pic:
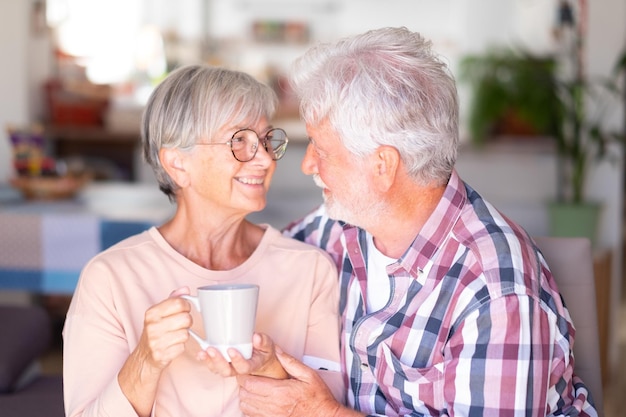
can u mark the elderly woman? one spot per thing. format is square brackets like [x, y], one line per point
[207, 134]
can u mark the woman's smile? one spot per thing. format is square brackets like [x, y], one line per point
[251, 180]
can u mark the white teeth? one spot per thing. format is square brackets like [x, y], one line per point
[252, 181]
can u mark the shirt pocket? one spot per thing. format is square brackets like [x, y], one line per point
[399, 381]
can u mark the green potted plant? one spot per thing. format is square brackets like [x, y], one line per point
[514, 94]
[516, 84]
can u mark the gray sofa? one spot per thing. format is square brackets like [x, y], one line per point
[25, 335]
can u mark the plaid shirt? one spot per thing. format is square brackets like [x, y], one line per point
[474, 325]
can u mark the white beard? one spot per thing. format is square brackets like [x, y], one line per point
[361, 209]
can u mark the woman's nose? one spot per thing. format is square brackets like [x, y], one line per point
[262, 154]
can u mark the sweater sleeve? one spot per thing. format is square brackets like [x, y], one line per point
[95, 348]
[322, 341]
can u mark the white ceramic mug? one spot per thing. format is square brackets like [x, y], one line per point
[228, 315]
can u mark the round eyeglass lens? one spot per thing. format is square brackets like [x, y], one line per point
[276, 143]
[244, 144]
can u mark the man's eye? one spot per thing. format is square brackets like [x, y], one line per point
[317, 150]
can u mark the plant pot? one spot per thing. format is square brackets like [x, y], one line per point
[574, 220]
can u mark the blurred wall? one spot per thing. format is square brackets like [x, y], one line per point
[14, 106]
[456, 27]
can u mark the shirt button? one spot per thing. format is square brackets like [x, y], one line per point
[364, 366]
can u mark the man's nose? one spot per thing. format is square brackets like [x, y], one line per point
[309, 165]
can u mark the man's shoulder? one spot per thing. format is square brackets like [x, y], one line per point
[501, 247]
[315, 227]
[318, 229]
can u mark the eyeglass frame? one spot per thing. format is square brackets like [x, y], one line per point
[255, 146]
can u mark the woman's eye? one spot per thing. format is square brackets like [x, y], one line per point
[237, 140]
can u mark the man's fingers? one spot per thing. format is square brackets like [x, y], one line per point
[294, 367]
[259, 386]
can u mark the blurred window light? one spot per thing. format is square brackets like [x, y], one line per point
[100, 32]
[56, 12]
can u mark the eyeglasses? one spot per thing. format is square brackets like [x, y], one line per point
[245, 142]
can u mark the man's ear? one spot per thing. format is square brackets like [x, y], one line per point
[173, 162]
[387, 162]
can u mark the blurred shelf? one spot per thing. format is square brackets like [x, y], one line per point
[90, 134]
[94, 144]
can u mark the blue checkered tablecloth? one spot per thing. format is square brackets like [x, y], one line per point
[44, 245]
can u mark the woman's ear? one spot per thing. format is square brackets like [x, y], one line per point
[387, 162]
[173, 162]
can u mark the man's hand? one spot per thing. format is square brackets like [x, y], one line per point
[304, 394]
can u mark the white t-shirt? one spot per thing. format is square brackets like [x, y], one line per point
[378, 285]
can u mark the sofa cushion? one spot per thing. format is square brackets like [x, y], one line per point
[42, 397]
[26, 334]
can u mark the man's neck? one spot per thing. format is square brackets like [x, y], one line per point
[407, 213]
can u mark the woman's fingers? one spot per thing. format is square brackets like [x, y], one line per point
[165, 329]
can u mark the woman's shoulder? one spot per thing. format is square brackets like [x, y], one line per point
[286, 243]
[132, 242]
[138, 246]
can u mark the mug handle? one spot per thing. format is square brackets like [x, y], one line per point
[194, 300]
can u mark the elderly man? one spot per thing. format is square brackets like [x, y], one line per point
[448, 308]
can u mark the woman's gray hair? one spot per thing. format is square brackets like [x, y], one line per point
[195, 102]
[384, 87]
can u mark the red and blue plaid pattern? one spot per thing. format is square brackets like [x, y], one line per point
[474, 326]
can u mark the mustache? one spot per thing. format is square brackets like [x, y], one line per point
[318, 181]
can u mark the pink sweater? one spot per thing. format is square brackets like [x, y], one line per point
[298, 304]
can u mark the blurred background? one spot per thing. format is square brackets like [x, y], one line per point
[75, 75]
